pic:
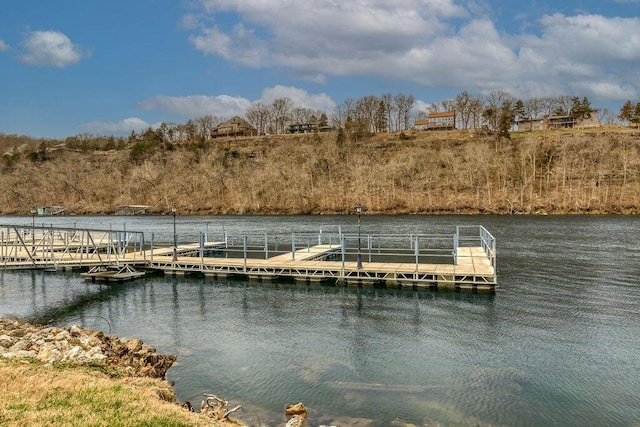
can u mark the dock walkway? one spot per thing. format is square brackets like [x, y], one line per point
[469, 263]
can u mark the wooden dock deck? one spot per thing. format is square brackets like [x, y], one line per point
[472, 268]
[474, 272]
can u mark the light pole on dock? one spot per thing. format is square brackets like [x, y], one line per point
[33, 229]
[359, 256]
[175, 236]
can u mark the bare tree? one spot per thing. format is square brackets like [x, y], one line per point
[365, 111]
[466, 109]
[387, 100]
[448, 105]
[258, 115]
[281, 114]
[532, 108]
[435, 107]
[606, 117]
[204, 126]
[564, 103]
[339, 116]
[548, 105]
[404, 105]
[300, 115]
[495, 101]
[477, 105]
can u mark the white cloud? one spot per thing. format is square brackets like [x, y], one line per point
[122, 127]
[4, 46]
[321, 29]
[49, 48]
[443, 43]
[421, 106]
[300, 98]
[197, 105]
[193, 106]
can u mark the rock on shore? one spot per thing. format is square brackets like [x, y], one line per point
[81, 346]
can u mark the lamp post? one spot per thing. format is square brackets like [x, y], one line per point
[175, 236]
[359, 257]
[33, 229]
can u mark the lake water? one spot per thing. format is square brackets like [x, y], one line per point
[557, 344]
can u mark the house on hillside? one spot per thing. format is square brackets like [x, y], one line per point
[567, 122]
[421, 124]
[237, 126]
[309, 128]
[558, 122]
[529, 125]
[445, 120]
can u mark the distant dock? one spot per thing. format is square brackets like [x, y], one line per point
[462, 260]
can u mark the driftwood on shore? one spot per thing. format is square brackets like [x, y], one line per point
[216, 408]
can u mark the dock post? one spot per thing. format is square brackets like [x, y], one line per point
[320, 237]
[342, 250]
[455, 245]
[224, 234]
[266, 246]
[152, 241]
[244, 247]
[202, 237]
[417, 251]
[293, 246]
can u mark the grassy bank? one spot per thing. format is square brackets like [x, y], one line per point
[555, 172]
[32, 394]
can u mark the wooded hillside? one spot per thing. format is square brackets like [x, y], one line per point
[562, 171]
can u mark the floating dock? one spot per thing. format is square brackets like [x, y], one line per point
[112, 273]
[462, 260]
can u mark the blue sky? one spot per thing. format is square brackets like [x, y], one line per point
[109, 67]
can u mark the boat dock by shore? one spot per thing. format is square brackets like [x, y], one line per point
[462, 260]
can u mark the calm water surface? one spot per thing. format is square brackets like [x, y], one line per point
[558, 344]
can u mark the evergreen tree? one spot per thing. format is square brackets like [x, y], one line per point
[576, 108]
[506, 120]
[586, 108]
[520, 112]
[626, 112]
[324, 121]
[381, 117]
[635, 118]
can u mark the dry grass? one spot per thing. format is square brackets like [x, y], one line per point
[35, 395]
[564, 171]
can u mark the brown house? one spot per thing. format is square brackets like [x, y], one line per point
[445, 120]
[558, 122]
[237, 126]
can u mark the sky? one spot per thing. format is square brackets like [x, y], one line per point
[109, 67]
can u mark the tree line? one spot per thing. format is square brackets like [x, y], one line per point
[497, 111]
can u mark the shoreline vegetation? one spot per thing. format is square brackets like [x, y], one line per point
[75, 376]
[566, 171]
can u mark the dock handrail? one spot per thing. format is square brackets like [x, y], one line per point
[477, 235]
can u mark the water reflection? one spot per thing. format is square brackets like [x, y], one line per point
[556, 345]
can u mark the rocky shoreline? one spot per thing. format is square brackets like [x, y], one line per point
[121, 357]
[75, 345]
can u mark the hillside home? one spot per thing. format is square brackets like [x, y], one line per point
[308, 128]
[529, 125]
[237, 126]
[421, 124]
[558, 122]
[445, 120]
